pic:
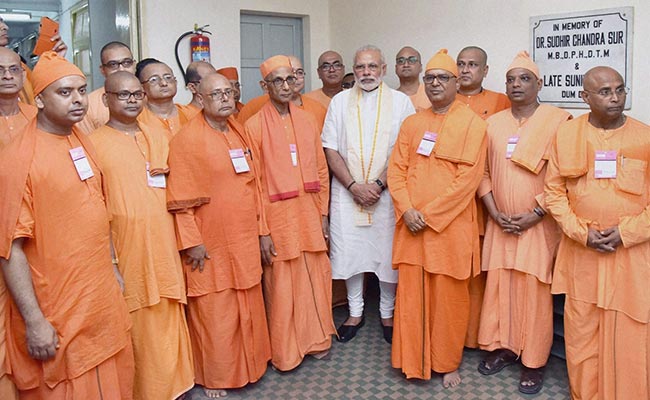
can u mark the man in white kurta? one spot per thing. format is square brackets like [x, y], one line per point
[359, 133]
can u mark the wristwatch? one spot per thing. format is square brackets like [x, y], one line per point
[380, 184]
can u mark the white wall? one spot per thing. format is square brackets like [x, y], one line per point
[500, 27]
[163, 21]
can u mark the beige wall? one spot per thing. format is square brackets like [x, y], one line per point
[163, 21]
[501, 28]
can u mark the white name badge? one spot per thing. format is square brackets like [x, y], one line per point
[157, 181]
[512, 144]
[294, 154]
[81, 163]
[605, 164]
[239, 162]
[427, 143]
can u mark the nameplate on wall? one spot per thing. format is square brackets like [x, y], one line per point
[566, 46]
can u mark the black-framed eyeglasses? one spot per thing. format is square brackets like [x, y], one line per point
[279, 82]
[219, 94]
[125, 94]
[336, 66]
[113, 65]
[13, 70]
[442, 78]
[157, 80]
[300, 73]
[403, 60]
[607, 92]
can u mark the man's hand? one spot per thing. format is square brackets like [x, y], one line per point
[59, 47]
[414, 220]
[267, 249]
[522, 222]
[365, 194]
[42, 340]
[594, 240]
[326, 228]
[608, 240]
[196, 256]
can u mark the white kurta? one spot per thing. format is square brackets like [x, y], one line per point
[356, 249]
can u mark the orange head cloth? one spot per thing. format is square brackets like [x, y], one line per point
[229, 72]
[274, 63]
[523, 60]
[50, 68]
[442, 60]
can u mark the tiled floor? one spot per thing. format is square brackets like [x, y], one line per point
[360, 369]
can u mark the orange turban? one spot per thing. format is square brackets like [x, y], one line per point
[523, 60]
[50, 68]
[229, 72]
[273, 63]
[442, 60]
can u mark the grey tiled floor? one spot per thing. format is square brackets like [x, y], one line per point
[360, 369]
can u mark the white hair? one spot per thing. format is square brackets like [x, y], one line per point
[369, 47]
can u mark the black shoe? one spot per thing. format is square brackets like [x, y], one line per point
[388, 333]
[347, 332]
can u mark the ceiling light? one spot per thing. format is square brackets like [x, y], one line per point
[16, 17]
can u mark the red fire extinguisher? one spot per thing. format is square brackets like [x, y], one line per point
[199, 46]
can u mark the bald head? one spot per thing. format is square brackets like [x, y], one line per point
[197, 70]
[329, 55]
[472, 69]
[597, 75]
[481, 55]
[212, 80]
[118, 79]
[124, 97]
[605, 93]
[11, 80]
[408, 64]
[410, 50]
[216, 94]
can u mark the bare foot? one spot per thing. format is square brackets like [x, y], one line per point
[451, 379]
[321, 354]
[353, 321]
[215, 393]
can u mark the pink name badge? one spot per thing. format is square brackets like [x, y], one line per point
[239, 161]
[294, 154]
[512, 144]
[81, 163]
[605, 164]
[427, 143]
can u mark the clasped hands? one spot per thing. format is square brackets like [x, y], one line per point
[605, 241]
[414, 220]
[365, 194]
[518, 223]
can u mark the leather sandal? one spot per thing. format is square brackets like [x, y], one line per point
[534, 375]
[496, 361]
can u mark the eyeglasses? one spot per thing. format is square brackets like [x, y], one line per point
[347, 85]
[157, 80]
[300, 73]
[336, 66]
[362, 67]
[607, 93]
[14, 70]
[219, 94]
[113, 65]
[442, 78]
[125, 94]
[403, 60]
[279, 82]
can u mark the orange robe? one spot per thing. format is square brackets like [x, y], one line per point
[420, 100]
[432, 305]
[310, 105]
[13, 125]
[320, 97]
[145, 243]
[607, 298]
[170, 126]
[298, 285]
[10, 128]
[97, 114]
[485, 104]
[517, 311]
[220, 209]
[26, 94]
[188, 110]
[66, 226]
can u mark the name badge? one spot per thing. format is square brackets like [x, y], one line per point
[605, 164]
[294, 154]
[239, 162]
[81, 163]
[157, 181]
[427, 143]
[512, 144]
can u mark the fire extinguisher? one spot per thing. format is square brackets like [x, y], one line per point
[199, 46]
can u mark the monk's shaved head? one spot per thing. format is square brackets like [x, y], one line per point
[597, 75]
[11, 83]
[216, 94]
[114, 82]
[329, 54]
[9, 56]
[479, 51]
[211, 81]
[408, 49]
